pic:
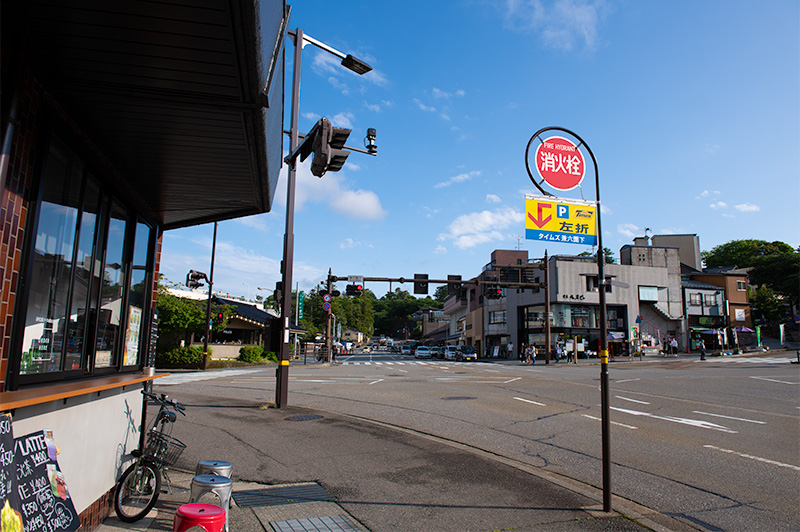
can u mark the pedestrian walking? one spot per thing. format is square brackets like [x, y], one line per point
[510, 350]
[528, 353]
[674, 345]
[702, 346]
[534, 352]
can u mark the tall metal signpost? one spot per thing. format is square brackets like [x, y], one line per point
[560, 164]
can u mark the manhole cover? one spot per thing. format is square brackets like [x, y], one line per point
[303, 418]
[458, 398]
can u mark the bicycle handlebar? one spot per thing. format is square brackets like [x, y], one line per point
[165, 401]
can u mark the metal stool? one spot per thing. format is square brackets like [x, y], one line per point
[209, 517]
[214, 467]
[222, 487]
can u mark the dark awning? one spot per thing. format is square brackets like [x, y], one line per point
[173, 95]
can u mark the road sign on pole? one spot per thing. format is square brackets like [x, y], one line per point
[560, 163]
[560, 220]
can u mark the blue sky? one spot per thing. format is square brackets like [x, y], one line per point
[691, 108]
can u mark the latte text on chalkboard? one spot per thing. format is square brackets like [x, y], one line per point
[44, 500]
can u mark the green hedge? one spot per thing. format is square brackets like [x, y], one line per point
[251, 353]
[181, 357]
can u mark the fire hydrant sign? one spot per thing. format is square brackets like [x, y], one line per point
[560, 220]
[560, 163]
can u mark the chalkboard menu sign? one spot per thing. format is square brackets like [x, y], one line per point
[36, 497]
[151, 352]
[11, 518]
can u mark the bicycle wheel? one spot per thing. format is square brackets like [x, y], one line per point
[137, 491]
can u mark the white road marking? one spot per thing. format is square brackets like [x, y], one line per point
[757, 458]
[613, 422]
[693, 422]
[529, 401]
[375, 382]
[772, 380]
[632, 400]
[729, 417]
[180, 378]
[626, 380]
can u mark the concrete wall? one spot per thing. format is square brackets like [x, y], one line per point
[95, 436]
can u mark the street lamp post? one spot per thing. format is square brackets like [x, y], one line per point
[359, 67]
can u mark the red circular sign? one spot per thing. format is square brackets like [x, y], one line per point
[560, 163]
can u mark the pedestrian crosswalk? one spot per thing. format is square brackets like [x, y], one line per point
[194, 376]
[409, 363]
[757, 360]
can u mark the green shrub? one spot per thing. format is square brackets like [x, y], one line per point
[251, 353]
[181, 357]
[272, 357]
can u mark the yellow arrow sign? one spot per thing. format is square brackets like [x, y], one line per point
[560, 220]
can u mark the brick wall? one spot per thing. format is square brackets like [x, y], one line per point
[13, 215]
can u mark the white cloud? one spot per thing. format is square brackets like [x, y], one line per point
[493, 198]
[475, 228]
[257, 222]
[438, 93]
[343, 120]
[349, 243]
[440, 250]
[629, 230]
[707, 193]
[332, 190]
[747, 207]
[719, 205]
[561, 24]
[424, 107]
[460, 178]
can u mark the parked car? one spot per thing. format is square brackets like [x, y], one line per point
[452, 352]
[422, 351]
[468, 353]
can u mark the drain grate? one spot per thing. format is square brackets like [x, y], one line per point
[331, 523]
[280, 495]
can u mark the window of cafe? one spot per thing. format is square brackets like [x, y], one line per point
[88, 277]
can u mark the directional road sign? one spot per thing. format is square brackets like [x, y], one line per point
[560, 220]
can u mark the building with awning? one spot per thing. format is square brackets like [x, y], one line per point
[120, 120]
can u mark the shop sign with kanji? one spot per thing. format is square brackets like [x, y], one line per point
[560, 220]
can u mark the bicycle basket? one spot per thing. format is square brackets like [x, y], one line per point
[163, 450]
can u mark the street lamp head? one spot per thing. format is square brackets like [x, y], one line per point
[356, 65]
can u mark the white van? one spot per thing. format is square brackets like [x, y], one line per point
[452, 352]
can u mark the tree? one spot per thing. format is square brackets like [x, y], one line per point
[742, 253]
[780, 272]
[180, 317]
[607, 254]
[765, 301]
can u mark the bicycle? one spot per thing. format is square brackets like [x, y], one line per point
[140, 485]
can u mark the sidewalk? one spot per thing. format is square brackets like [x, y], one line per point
[336, 473]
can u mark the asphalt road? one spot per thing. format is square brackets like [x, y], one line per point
[716, 444]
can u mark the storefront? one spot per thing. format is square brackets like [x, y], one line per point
[576, 327]
[104, 147]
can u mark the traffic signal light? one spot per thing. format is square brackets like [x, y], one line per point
[193, 279]
[355, 290]
[492, 292]
[420, 283]
[326, 145]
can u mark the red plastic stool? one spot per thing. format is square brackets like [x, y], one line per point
[209, 517]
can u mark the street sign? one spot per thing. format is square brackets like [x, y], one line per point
[560, 163]
[356, 279]
[326, 307]
[326, 298]
[301, 305]
[560, 220]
